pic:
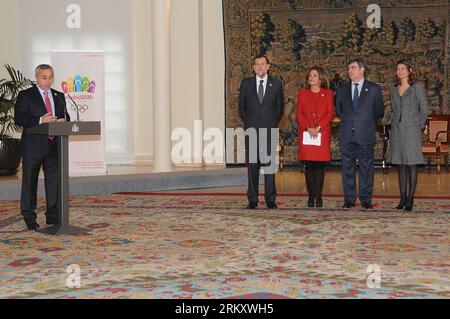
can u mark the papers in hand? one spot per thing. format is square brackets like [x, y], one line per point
[309, 140]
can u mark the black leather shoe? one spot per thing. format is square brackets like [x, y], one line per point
[33, 226]
[252, 205]
[367, 206]
[271, 205]
[319, 202]
[51, 218]
[348, 205]
[310, 202]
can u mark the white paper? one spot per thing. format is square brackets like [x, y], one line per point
[309, 140]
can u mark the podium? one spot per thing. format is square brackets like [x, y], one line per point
[62, 131]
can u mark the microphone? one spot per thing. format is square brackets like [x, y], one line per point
[64, 104]
[76, 107]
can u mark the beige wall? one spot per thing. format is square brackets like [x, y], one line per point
[142, 60]
[9, 36]
[197, 69]
[185, 63]
[213, 60]
[10, 39]
[197, 57]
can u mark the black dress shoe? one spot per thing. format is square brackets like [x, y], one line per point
[33, 226]
[319, 202]
[348, 205]
[252, 205]
[271, 205]
[51, 219]
[51, 222]
[310, 202]
[367, 206]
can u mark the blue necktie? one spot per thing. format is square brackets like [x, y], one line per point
[355, 96]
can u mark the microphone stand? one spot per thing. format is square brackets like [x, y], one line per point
[76, 107]
[65, 106]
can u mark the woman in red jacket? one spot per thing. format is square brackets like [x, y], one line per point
[315, 112]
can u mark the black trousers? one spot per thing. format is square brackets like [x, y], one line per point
[30, 174]
[314, 177]
[253, 169]
[270, 192]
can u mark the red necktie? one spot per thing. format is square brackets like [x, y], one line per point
[48, 107]
[48, 104]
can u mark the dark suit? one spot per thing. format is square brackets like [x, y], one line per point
[357, 137]
[260, 115]
[38, 150]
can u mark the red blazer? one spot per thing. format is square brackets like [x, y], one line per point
[312, 105]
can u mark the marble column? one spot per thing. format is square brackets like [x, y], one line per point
[162, 127]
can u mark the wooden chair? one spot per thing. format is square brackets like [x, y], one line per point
[280, 150]
[437, 144]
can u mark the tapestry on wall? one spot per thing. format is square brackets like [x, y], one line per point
[297, 34]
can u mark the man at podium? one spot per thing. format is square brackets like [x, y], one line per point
[36, 105]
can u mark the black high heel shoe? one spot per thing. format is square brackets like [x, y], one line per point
[409, 204]
[402, 203]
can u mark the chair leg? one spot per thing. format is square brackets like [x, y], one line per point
[446, 162]
[429, 164]
[438, 164]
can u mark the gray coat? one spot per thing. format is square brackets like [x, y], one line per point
[408, 118]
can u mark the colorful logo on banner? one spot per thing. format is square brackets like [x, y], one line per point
[78, 84]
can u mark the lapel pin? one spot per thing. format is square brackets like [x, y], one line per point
[323, 95]
[367, 90]
[270, 84]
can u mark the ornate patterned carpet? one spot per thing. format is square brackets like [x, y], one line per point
[194, 246]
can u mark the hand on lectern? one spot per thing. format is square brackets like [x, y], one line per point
[48, 118]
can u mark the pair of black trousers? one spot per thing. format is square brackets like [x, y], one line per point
[30, 174]
[350, 154]
[314, 177]
[270, 192]
[253, 169]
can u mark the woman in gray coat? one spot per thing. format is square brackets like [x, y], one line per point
[409, 115]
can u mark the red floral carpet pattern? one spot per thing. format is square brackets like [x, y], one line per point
[192, 246]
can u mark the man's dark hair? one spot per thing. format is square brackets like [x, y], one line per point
[360, 63]
[259, 56]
